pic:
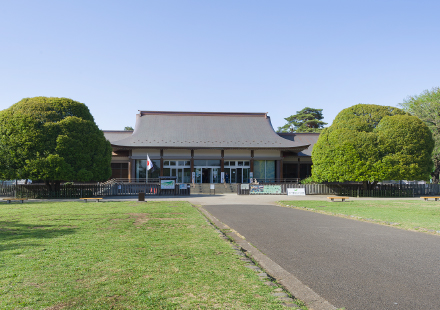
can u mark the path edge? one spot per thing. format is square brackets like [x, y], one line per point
[294, 286]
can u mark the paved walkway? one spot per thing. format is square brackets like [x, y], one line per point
[351, 264]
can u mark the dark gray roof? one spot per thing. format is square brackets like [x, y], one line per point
[302, 138]
[205, 130]
[115, 135]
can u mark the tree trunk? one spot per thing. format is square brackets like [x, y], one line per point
[53, 186]
[435, 174]
[367, 185]
[49, 185]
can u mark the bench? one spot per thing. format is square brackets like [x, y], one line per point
[11, 199]
[333, 198]
[87, 199]
[427, 198]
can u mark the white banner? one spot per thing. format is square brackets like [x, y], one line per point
[296, 191]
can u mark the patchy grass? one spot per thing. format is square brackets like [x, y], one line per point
[120, 255]
[407, 214]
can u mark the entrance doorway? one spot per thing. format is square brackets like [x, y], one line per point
[207, 175]
[237, 175]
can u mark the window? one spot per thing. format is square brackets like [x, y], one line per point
[264, 170]
[213, 163]
[141, 169]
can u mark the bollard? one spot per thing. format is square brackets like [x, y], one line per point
[141, 196]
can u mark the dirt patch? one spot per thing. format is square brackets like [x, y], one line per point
[58, 306]
[142, 218]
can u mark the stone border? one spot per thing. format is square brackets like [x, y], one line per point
[294, 286]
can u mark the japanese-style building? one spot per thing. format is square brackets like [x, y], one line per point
[206, 147]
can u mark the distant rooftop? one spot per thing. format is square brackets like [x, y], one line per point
[302, 138]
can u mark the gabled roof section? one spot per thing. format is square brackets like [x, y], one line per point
[116, 135]
[205, 130]
[302, 138]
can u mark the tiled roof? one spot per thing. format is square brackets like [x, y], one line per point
[302, 138]
[204, 130]
[115, 135]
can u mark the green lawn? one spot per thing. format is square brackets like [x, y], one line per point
[407, 214]
[120, 255]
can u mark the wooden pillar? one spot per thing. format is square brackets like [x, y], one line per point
[299, 168]
[222, 162]
[161, 162]
[131, 170]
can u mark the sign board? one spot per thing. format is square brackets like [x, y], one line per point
[296, 191]
[222, 177]
[264, 189]
[215, 174]
[167, 184]
[212, 186]
[245, 186]
[183, 186]
[251, 175]
[193, 177]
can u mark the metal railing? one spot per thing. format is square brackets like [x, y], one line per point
[353, 190]
[38, 191]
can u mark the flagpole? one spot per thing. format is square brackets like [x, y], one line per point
[149, 166]
[146, 170]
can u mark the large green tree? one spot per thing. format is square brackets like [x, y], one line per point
[371, 143]
[306, 120]
[426, 106]
[52, 139]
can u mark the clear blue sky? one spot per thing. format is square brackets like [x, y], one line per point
[119, 57]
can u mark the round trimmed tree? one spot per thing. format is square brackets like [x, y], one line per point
[52, 139]
[370, 143]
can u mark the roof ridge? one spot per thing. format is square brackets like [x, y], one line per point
[189, 113]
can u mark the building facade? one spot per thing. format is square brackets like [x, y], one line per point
[206, 147]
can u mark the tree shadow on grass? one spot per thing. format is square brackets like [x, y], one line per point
[13, 234]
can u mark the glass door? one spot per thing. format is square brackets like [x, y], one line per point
[180, 175]
[246, 175]
[177, 172]
[233, 175]
[198, 175]
[215, 175]
[239, 175]
[227, 175]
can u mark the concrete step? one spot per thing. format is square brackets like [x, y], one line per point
[219, 189]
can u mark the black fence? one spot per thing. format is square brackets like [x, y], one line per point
[341, 189]
[39, 191]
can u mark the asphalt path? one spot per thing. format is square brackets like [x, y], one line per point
[352, 264]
